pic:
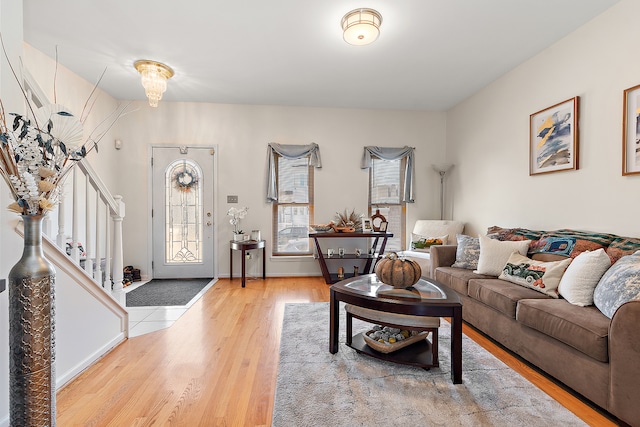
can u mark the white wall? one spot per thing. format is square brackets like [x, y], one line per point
[241, 134]
[488, 136]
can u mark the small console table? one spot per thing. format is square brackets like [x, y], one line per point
[245, 246]
[375, 253]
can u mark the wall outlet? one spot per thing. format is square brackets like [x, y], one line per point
[232, 199]
[248, 255]
[3, 285]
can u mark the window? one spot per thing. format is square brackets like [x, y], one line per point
[293, 211]
[385, 194]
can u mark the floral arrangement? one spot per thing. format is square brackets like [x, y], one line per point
[236, 215]
[38, 150]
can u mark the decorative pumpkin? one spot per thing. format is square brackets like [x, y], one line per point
[398, 272]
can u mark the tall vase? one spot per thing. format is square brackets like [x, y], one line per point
[31, 333]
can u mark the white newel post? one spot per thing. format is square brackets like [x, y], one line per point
[118, 261]
[107, 249]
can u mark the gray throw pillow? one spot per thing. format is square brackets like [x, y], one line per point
[621, 283]
[468, 252]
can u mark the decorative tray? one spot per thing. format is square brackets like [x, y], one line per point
[385, 347]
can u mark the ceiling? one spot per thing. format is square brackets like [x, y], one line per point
[431, 54]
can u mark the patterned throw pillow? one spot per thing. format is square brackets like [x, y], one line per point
[621, 283]
[495, 253]
[540, 276]
[467, 252]
[422, 243]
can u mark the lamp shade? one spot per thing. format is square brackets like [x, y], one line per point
[361, 26]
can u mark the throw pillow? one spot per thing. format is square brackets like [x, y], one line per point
[422, 243]
[540, 276]
[582, 277]
[621, 283]
[495, 253]
[467, 252]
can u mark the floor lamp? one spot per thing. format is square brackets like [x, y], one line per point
[442, 169]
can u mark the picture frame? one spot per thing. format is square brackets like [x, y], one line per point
[631, 131]
[383, 226]
[553, 138]
[366, 225]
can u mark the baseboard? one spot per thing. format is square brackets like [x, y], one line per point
[63, 380]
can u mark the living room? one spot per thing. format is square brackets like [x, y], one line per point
[485, 136]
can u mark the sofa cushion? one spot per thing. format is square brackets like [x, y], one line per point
[467, 252]
[422, 258]
[621, 283]
[501, 295]
[457, 278]
[538, 275]
[583, 328]
[582, 276]
[495, 253]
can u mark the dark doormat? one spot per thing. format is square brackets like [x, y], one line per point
[165, 292]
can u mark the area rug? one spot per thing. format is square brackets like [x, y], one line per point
[317, 388]
[166, 292]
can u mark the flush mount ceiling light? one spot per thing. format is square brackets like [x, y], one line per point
[361, 26]
[154, 79]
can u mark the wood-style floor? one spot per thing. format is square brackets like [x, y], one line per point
[217, 365]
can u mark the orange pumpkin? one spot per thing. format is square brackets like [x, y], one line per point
[398, 272]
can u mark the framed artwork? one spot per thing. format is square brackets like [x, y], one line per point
[553, 138]
[383, 226]
[366, 225]
[631, 132]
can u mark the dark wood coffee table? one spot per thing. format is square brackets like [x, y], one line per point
[436, 300]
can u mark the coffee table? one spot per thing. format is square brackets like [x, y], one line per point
[434, 300]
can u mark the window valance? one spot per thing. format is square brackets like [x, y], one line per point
[290, 152]
[393, 153]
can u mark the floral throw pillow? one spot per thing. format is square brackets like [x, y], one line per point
[423, 244]
[467, 252]
[621, 283]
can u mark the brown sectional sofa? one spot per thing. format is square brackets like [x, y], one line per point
[596, 356]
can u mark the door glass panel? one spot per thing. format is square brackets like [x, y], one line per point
[183, 227]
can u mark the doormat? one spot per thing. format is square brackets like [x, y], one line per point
[166, 292]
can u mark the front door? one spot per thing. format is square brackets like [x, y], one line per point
[182, 212]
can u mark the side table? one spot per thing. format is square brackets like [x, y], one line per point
[243, 247]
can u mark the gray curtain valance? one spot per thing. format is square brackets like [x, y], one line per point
[289, 152]
[392, 153]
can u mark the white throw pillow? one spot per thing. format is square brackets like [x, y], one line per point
[538, 275]
[582, 277]
[495, 253]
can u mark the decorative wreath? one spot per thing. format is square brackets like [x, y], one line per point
[185, 180]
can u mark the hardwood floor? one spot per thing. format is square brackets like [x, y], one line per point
[217, 365]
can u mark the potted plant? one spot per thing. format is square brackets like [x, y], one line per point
[236, 215]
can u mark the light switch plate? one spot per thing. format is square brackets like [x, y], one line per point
[232, 199]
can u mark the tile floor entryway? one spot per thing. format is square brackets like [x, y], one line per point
[143, 320]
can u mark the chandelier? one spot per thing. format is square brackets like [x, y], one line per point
[154, 79]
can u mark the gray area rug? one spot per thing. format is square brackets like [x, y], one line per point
[166, 292]
[317, 388]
